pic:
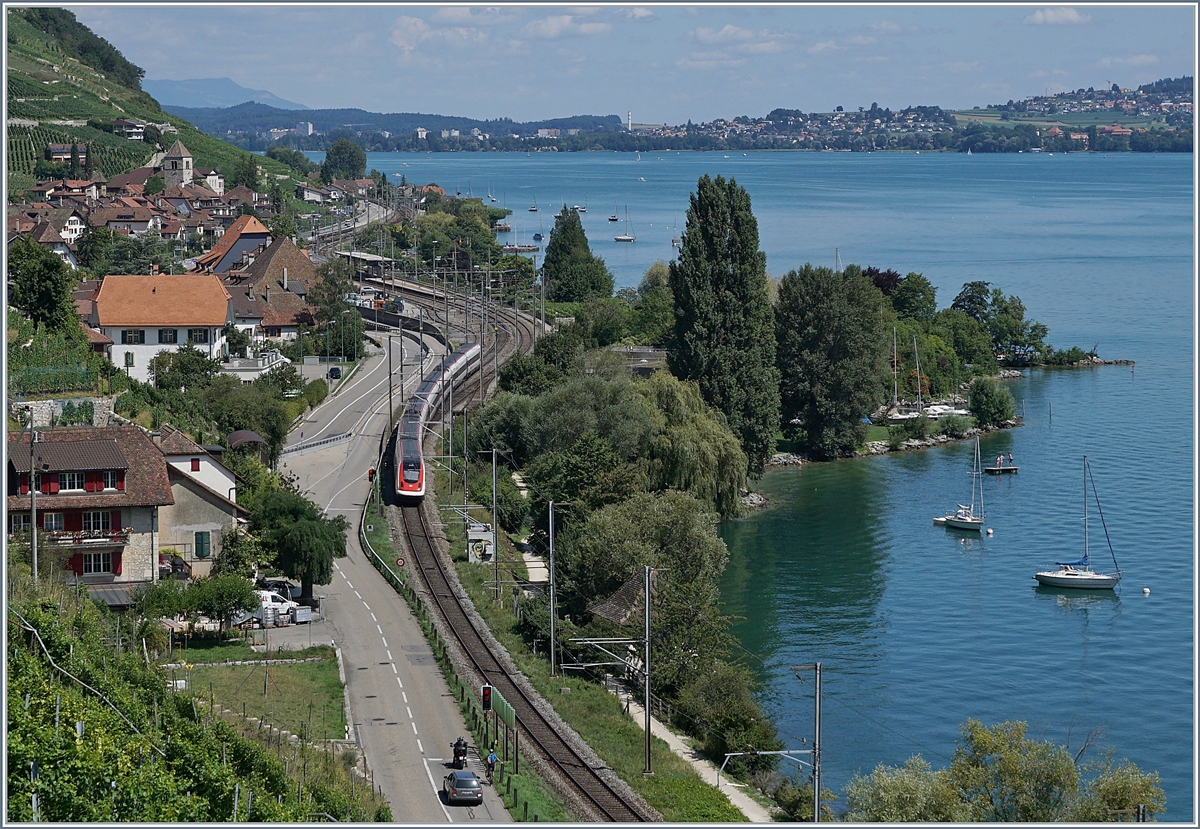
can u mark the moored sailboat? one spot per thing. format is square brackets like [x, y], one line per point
[965, 517]
[1079, 574]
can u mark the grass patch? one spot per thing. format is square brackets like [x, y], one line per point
[303, 698]
[877, 432]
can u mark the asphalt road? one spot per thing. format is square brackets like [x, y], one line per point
[404, 716]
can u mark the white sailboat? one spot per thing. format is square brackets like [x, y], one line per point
[614, 217]
[675, 240]
[534, 208]
[627, 236]
[965, 517]
[1080, 573]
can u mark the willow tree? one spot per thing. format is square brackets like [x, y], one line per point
[572, 273]
[831, 356]
[724, 325]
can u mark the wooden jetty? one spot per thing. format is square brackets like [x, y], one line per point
[1001, 470]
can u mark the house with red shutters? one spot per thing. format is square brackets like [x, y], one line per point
[98, 496]
[118, 507]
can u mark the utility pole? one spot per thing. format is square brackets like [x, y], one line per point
[391, 407]
[648, 771]
[552, 609]
[495, 532]
[33, 487]
[816, 749]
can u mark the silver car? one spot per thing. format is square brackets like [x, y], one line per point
[462, 787]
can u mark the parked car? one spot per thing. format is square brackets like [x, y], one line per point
[284, 587]
[335, 372]
[462, 787]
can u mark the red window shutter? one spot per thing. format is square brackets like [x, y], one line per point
[24, 484]
[89, 481]
[73, 521]
[77, 563]
[116, 562]
[53, 486]
[116, 520]
[121, 480]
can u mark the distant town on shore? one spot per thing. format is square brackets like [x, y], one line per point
[1155, 117]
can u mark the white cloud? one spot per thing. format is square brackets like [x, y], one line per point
[1132, 60]
[766, 47]
[563, 25]
[823, 46]
[461, 15]
[408, 32]
[637, 13]
[709, 60]
[872, 59]
[726, 34]
[861, 40]
[1057, 16]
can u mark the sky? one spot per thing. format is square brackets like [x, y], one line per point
[666, 63]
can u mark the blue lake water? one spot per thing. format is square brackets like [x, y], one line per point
[919, 628]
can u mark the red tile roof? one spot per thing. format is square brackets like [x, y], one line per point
[146, 482]
[244, 224]
[162, 300]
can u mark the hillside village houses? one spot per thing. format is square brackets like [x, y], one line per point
[118, 506]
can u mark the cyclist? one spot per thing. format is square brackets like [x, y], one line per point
[491, 765]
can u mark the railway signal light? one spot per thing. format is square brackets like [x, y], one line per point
[487, 697]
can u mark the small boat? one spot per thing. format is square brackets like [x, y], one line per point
[965, 517]
[626, 236]
[641, 178]
[537, 237]
[675, 238]
[584, 208]
[533, 208]
[968, 150]
[1079, 574]
[614, 217]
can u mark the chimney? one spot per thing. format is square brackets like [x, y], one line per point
[285, 279]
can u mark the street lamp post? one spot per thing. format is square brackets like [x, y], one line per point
[33, 482]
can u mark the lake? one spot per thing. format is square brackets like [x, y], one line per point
[919, 628]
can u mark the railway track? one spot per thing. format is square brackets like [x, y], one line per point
[590, 787]
[580, 776]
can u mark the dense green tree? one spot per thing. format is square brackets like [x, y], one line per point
[103, 252]
[528, 374]
[974, 300]
[693, 449]
[1013, 336]
[92, 249]
[237, 339]
[242, 171]
[240, 554]
[155, 185]
[41, 286]
[234, 406]
[969, 339]
[343, 160]
[991, 403]
[186, 369]
[915, 298]
[1005, 776]
[572, 273]
[831, 356]
[220, 596]
[912, 793]
[724, 336]
[653, 318]
[302, 541]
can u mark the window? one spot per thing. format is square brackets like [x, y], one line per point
[52, 522]
[203, 548]
[109, 477]
[97, 521]
[70, 480]
[94, 563]
[18, 523]
[273, 332]
[168, 335]
[133, 336]
[195, 464]
[199, 336]
[128, 358]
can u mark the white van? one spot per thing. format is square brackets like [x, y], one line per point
[268, 598]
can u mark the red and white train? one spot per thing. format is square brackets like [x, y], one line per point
[410, 465]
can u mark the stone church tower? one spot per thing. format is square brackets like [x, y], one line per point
[177, 166]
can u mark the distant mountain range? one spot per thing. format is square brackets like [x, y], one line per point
[211, 92]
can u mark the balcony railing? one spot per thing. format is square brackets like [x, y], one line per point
[84, 537]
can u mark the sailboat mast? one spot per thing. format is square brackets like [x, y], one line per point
[979, 479]
[895, 371]
[917, 357]
[1085, 512]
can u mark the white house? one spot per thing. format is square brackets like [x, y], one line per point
[144, 315]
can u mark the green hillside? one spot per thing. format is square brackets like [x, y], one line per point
[51, 82]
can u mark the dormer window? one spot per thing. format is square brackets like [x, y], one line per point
[109, 478]
[70, 481]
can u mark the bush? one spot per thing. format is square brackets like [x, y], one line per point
[991, 403]
[955, 426]
[916, 428]
[315, 392]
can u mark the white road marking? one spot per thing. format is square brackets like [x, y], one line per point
[398, 682]
[394, 668]
[367, 606]
[378, 628]
[414, 725]
[373, 619]
[420, 747]
[434, 786]
[351, 586]
[356, 593]
[389, 652]
[405, 697]
[335, 566]
[409, 710]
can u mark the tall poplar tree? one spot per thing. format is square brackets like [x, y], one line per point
[831, 356]
[571, 271]
[724, 325]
